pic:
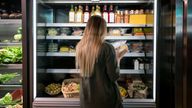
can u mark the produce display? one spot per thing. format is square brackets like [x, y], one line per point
[71, 87]
[137, 89]
[18, 35]
[53, 89]
[8, 100]
[11, 55]
[7, 77]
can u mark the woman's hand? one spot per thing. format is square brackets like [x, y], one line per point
[120, 52]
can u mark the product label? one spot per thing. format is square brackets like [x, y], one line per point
[86, 17]
[71, 17]
[79, 17]
[111, 17]
[105, 16]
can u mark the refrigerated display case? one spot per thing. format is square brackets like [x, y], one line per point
[10, 53]
[55, 38]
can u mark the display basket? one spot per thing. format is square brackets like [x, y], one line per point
[70, 94]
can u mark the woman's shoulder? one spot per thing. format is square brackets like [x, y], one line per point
[107, 45]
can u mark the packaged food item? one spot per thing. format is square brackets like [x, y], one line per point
[53, 89]
[123, 92]
[66, 31]
[117, 44]
[12, 15]
[77, 32]
[148, 31]
[136, 64]
[4, 15]
[136, 47]
[138, 31]
[114, 32]
[53, 47]
[64, 49]
[52, 32]
[41, 31]
[120, 47]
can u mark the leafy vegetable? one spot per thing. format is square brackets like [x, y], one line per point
[7, 99]
[11, 55]
[6, 77]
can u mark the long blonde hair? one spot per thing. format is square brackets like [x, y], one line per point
[87, 50]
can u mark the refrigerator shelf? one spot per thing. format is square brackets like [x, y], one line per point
[75, 71]
[11, 86]
[96, 1]
[10, 66]
[59, 101]
[84, 25]
[107, 37]
[10, 21]
[10, 44]
[70, 54]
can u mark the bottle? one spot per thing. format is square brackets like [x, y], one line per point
[122, 17]
[86, 14]
[111, 15]
[93, 11]
[105, 13]
[75, 13]
[136, 64]
[98, 11]
[118, 17]
[116, 9]
[79, 15]
[126, 16]
[71, 15]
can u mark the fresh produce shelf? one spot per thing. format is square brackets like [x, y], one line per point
[84, 24]
[107, 37]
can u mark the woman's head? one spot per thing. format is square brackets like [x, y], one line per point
[87, 50]
[95, 29]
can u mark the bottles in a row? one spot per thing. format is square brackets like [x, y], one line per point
[80, 15]
[139, 64]
[111, 14]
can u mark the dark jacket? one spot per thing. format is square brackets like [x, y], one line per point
[100, 90]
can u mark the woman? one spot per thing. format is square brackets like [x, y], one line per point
[99, 67]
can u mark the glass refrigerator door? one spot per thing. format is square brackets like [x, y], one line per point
[58, 27]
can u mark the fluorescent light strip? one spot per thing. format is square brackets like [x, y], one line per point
[34, 50]
[155, 51]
